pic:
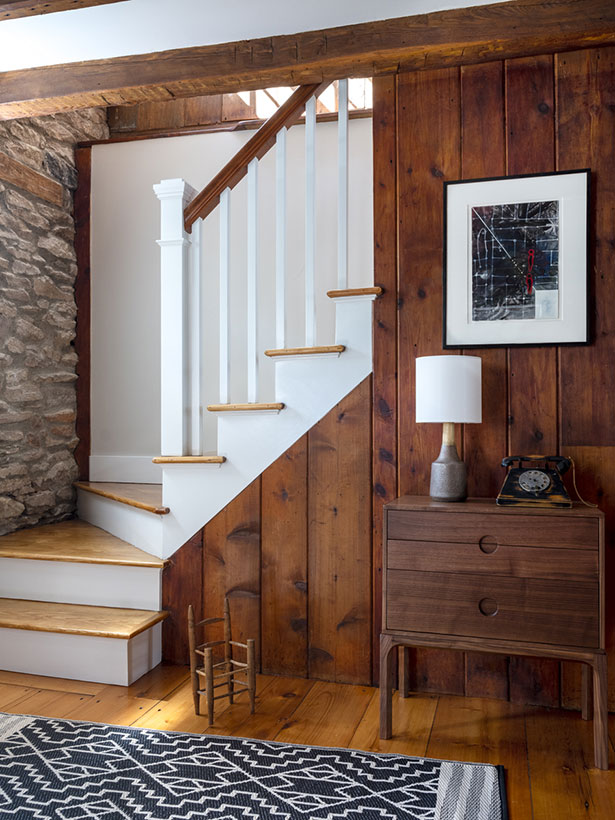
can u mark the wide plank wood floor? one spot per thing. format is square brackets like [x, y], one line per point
[547, 752]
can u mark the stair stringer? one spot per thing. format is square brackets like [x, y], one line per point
[308, 387]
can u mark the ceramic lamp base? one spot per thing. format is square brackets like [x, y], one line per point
[448, 472]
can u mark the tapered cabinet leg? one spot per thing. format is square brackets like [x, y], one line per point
[403, 673]
[586, 692]
[601, 739]
[386, 686]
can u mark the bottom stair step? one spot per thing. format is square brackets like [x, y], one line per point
[102, 644]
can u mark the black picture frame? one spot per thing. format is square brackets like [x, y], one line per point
[515, 260]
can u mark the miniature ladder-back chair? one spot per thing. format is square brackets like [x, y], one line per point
[222, 673]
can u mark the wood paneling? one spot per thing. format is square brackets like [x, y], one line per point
[438, 39]
[586, 123]
[195, 115]
[528, 115]
[384, 399]
[531, 114]
[586, 114]
[257, 550]
[339, 535]
[284, 613]
[429, 137]
[232, 565]
[532, 394]
[182, 585]
[81, 209]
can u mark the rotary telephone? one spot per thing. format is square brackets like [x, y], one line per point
[527, 485]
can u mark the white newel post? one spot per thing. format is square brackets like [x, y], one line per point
[174, 242]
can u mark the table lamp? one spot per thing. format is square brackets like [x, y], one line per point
[448, 390]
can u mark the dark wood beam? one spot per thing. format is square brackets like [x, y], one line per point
[446, 38]
[10, 9]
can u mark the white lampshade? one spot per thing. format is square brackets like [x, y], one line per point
[448, 389]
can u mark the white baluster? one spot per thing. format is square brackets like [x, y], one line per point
[194, 305]
[310, 220]
[174, 195]
[342, 200]
[252, 306]
[280, 240]
[225, 325]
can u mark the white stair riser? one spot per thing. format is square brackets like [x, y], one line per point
[81, 657]
[138, 527]
[308, 388]
[77, 583]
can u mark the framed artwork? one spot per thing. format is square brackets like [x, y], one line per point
[515, 260]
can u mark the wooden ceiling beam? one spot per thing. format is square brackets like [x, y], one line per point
[10, 9]
[446, 38]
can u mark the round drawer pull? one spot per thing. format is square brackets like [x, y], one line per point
[488, 544]
[488, 606]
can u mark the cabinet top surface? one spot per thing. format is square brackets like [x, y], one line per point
[482, 506]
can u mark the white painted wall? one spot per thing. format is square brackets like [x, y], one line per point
[125, 273]
[143, 26]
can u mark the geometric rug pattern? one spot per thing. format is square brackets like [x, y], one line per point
[71, 770]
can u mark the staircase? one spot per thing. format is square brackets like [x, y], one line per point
[82, 599]
[76, 602]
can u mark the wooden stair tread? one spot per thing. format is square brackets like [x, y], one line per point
[143, 496]
[306, 351]
[213, 459]
[339, 294]
[76, 619]
[75, 542]
[220, 408]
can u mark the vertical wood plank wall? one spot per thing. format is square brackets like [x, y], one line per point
[299, 551]
[527, 115]
[293, 554]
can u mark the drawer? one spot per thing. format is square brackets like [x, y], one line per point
[521, 609]
[512, 561]
[494, 528]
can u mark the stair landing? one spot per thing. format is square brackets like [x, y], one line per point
[74, 541]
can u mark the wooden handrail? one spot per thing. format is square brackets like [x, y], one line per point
[234, 170]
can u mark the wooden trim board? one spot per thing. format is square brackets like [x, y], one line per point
[446, 38]
[81, 210]
[16, 173]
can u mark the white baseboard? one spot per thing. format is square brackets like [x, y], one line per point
[126, 469]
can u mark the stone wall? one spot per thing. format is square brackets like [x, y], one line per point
[37, 323]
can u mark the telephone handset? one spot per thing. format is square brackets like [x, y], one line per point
[527, 485]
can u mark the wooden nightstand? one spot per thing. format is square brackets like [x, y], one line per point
[482, 578]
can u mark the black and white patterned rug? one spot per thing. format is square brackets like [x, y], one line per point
[71, 770]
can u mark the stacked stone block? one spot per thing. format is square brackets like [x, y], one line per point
[37, 322]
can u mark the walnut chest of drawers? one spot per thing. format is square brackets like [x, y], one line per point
[515, 581]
